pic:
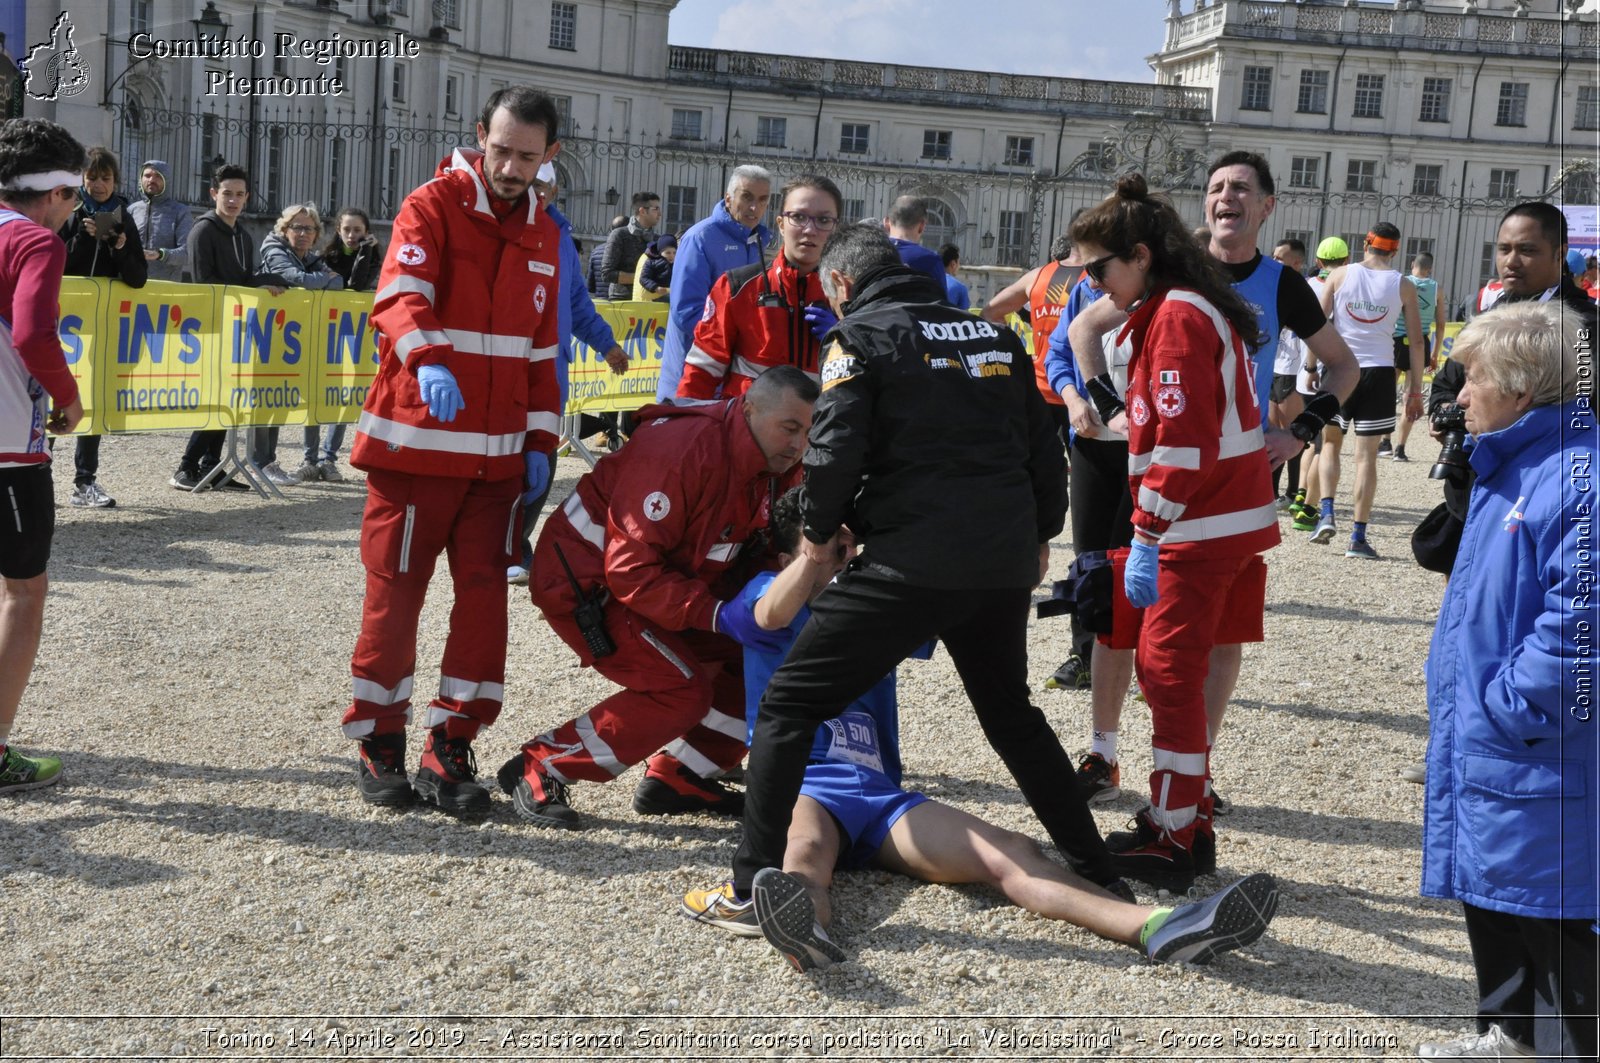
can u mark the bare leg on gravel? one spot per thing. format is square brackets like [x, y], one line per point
[21, 622]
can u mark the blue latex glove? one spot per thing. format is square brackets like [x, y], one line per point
[1139, 577]
[538, 466]
[820, 319]
[439, 391]
[737, 620]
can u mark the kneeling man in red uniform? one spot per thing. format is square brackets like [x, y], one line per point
[634, 571]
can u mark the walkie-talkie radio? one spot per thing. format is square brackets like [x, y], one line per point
[589, 615]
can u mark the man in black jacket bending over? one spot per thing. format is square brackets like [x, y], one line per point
[932, 443]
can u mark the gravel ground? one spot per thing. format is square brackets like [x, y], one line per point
[205, 881]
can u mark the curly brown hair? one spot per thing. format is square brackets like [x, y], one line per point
[1131, 215]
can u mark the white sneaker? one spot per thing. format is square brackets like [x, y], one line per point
[1496, 1044]
[1417, 773]
[91, 494]
[517, 576]
[274, 472]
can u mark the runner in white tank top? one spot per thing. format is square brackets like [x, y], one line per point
[1363, 300]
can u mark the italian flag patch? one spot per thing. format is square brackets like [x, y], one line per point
[1169, 376]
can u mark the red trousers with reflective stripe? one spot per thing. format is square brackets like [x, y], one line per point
[1203, 603]
[409, 520]
[686, 685]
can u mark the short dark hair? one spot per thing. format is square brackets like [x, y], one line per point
[780, 379]
[949, 253]
[1252, 159]
[1061, 246]
[854, 250]
[100, 159]
[908, 212]
[231, 171]
[818, 182]
[643, 199]
[786, 521]
[1424, 260]
[1295, 245]
[619, 221]
[1384, 230]
[526, 104]
[33, 145]
[1551, 221]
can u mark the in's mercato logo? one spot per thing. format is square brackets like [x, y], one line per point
[55, 68]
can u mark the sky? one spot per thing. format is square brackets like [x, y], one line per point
[1063, 39]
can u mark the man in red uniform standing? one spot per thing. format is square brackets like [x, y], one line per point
[462, 415]
[635, 573]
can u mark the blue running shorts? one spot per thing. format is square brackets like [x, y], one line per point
[866, 804]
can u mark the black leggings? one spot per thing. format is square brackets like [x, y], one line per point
[1102, 509]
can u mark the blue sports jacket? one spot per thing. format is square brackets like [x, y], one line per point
[576, 314]
[1514, 739]
[709, 249]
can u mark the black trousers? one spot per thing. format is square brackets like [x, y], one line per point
[1536, 978]
[861, 627]
[1101, 510]
[204, 449]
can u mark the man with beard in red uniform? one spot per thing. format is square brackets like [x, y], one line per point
[757, 317]
[460, 419]
[635, 573]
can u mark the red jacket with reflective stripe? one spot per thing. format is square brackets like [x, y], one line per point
[753, 320]
[663, 520]
[1197, 464]
[478, 295]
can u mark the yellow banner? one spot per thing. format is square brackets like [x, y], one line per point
[641, 329]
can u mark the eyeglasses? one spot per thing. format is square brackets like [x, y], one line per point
[1097, 269]
[302, 228]
[820, 222]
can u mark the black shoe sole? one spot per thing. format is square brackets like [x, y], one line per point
[512, 782]
[788, 919]
[663, 800]
[1239, 919]
[1157, 873]
[388, 796]
[468, 800]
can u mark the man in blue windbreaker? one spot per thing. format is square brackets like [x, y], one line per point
[575, 315]
[1513, 792]
[733, 236]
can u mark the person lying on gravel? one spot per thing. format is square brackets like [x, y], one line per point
[853, 812]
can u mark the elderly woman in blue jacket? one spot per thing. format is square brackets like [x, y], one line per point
[1512, 787]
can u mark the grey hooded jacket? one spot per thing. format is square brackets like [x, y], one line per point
[164, 226]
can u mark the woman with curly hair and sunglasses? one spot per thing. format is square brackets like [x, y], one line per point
[1203, 507]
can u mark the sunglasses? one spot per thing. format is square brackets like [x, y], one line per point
[1097, 269]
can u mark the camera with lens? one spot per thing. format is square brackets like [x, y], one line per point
[1450, 422]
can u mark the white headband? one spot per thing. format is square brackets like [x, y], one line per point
[43, 182]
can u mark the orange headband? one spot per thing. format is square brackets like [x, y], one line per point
[1382, 243]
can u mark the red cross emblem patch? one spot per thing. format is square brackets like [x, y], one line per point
[1171, 401]
[657, 505]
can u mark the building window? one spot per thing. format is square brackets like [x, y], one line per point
[1019, 151]
[275, 167]
[341, 69]
[682, 208]
[685, 124]
[854, 138]
[392, 179]
[397, 83]
[1502, 184]
[1313, 92]
[1588, 108]
[140, 16]
[936, 143]
[1305, 171]
[772, 132]
[563, 115]
[399, 7]
[1369, 96]
[1425, 180]
[1513, 109]
[1361, 176]
[1486, 267]
[280, 64]
[208, 140]
[447, 13]
[1418, 245]
[1435, 100]
[855, 209]
[335, 173]
[452, 95]
[1013, 237]
[564, 26]
[1257, 89]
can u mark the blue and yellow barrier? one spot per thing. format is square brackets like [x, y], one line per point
[177, 357]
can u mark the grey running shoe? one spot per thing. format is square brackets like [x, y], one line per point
[1325, 531]
[1228, 919]
[91, 494]
[1495, 1044]
[788, 921]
